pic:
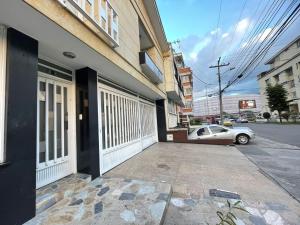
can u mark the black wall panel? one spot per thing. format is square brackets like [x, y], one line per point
[87, 122]
[161, 120]
[18, 177]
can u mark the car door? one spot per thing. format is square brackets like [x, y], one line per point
[219, 132]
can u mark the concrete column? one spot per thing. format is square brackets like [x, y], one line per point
[87, 122]
[18, 174]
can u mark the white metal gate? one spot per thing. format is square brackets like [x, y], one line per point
[52, 131]
[128, 125]
[148, 124]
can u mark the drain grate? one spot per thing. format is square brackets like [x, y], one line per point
[163, 166]
[223, 194]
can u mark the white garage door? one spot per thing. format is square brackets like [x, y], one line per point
[128, 125]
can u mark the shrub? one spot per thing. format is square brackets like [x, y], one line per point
[267, 115]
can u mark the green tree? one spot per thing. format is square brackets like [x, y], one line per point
[267, 115]
[277, 99]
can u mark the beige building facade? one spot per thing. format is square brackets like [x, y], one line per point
[174, 89]
[285, 70]
[85, 85]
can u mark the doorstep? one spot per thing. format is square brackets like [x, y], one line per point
[50, 194]
[110, 201]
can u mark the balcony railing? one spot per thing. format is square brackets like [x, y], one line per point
[103, 17]
[150, 69]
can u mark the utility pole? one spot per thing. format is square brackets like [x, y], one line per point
[220, 88]
[206, 100]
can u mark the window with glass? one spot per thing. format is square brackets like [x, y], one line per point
[171, 106]
[189, 104]
[217, 129]
[188, 91]
[99, 12]
[292, 83]
[185, 78]
[203, 131]
[52, 121]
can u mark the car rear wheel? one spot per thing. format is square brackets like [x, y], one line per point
[242, 139]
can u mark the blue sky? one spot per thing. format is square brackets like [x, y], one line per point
[203, 40]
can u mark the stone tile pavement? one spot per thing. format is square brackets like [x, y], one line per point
[50, 194]
[109, 201]
[194, 169]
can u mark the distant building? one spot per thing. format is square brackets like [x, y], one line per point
[285, 70]
[210, 105]
[174, 91]
[186, 76]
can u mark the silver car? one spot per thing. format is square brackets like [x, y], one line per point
[240, 135]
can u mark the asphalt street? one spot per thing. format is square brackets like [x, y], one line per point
[288, 134]
[276, 151]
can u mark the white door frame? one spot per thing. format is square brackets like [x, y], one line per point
[2, 91]
[72, 160]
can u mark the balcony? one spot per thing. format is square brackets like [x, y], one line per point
[150, 69]
[174, 92]
[99, 14]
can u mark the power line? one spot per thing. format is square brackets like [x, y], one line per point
[245, 59]
[218, 24]
[277, 33]
[259, 57]
[259, 31]
[244, 35]
[201, 80]
[236, 24]
[289, 23]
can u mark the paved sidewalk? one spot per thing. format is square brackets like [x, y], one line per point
[194, 169]
[107, 201]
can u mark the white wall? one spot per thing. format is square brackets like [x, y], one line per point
[230, 104]
[173, 119]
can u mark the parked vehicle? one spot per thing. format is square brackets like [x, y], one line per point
[227, 123]
[240, 135]
[242, 120]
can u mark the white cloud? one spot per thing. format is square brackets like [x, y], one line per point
[217, 30]
[225, 35]
[201, 52]
[266, 34]
[242, 25]
[198, 47]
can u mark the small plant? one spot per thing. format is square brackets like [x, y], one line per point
[229, 217]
